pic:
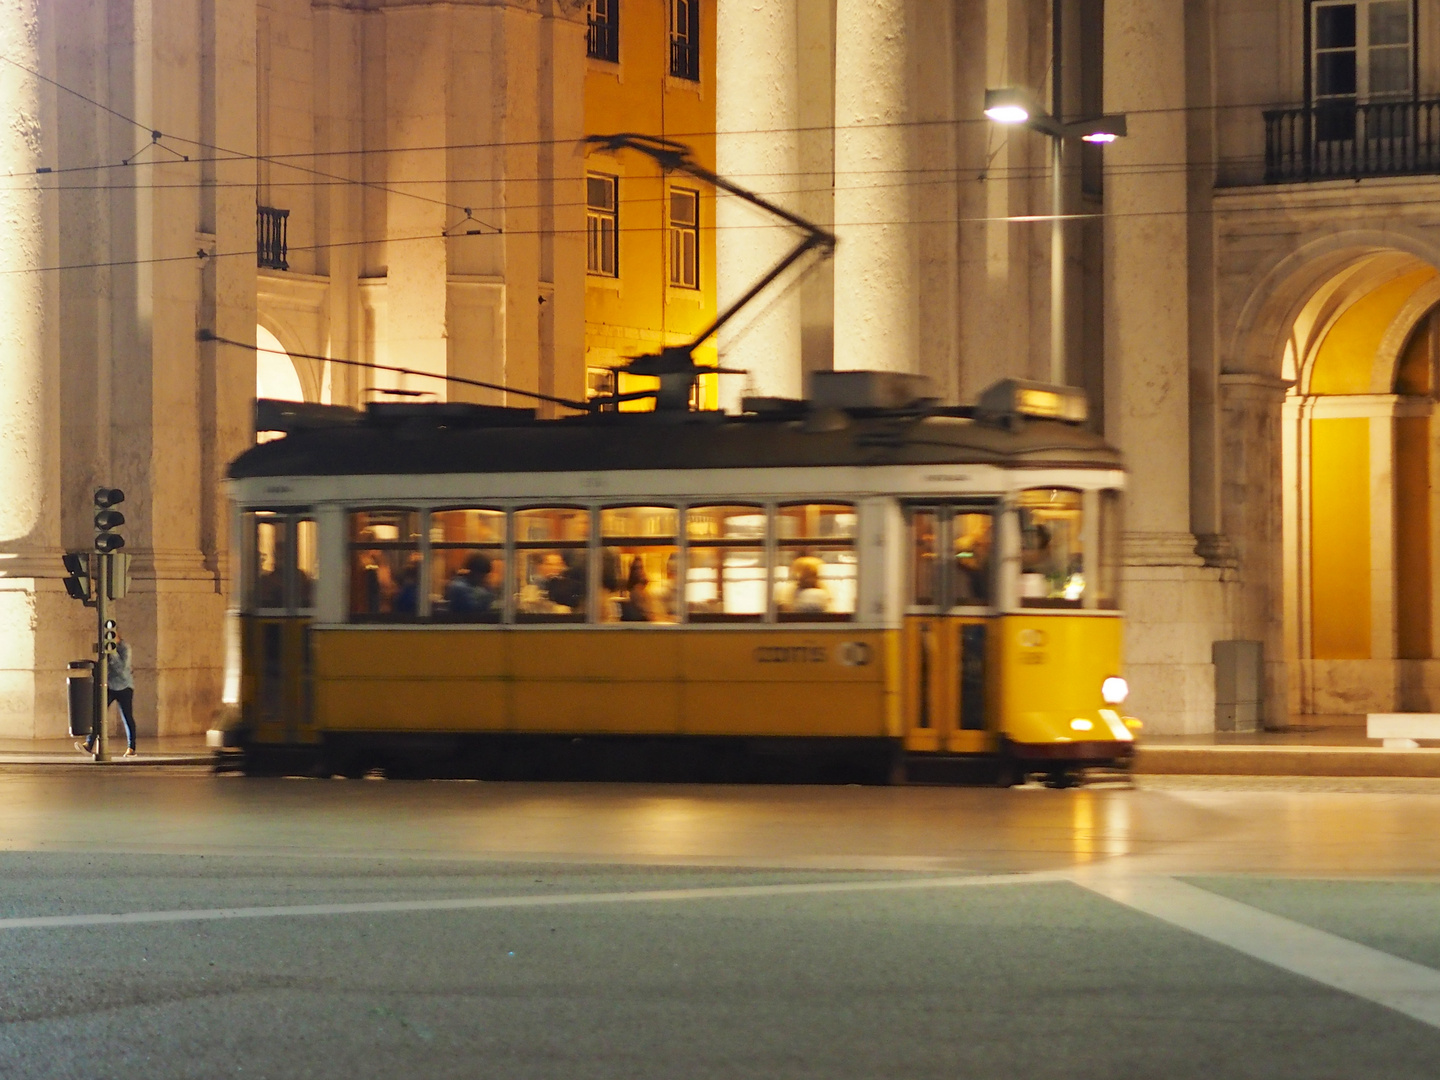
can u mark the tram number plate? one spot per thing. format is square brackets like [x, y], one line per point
[1032, 658]
[849, 653]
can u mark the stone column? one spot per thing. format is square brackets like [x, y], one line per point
[757, 145]
[417, 78]
[1251, 408]
[876, 309]
[31, 600]
[1176, 609]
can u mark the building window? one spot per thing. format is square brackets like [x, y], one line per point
[685, 238]
[602, 225]
[602, 33]
[1361, 53]
[685, 39]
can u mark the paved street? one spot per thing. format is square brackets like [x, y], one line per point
[169, 923]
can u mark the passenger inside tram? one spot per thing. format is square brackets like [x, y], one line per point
[972, 562]
[475, 588]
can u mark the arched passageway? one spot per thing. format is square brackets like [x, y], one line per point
[1359, 457]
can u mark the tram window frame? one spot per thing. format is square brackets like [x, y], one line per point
[497, 550]
[944, 584]
[615, 605]
[287, 575]
[1076, 545]
[807, 546]
[353, 546]
[517, 549]
[722, 544]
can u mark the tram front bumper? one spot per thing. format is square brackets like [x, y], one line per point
[1088, 751]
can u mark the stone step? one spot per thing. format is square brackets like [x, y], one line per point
[1287, 760]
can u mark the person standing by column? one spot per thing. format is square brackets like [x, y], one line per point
[121, 690]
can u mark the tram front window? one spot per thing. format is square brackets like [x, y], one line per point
[638, 558]
[467, 565]
[270, 554]
[815, 577]
[551, 572]
[1052, 561]
[307, 562]
[971, 583]
[725, 579]
[384, 564]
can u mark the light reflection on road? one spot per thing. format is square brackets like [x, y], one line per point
[1162, 831]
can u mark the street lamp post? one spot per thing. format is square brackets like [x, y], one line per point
[1015, 106]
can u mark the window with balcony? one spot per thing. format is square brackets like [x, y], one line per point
[271, 249]
[602, 30]
[1361, 116]
[685, 39]
[602, 225]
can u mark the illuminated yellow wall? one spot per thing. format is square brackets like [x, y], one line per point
[1340, 539]
[1346, 356]
[1412, 536]
[640, 311]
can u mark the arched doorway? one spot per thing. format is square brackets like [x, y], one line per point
[1360, 452]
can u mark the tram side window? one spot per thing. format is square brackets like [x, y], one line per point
[638, 559]
[384, 565]
[972, 537]
[725, 572]
[815, 577]
[552, 580]
[467, 565]
[1052, 561]
[1107, 583]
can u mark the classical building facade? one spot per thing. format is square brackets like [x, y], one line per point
[1250, 275]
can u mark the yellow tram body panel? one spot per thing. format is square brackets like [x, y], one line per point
[1050, 669]
[765, 682]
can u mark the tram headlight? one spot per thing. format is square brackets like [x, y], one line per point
[1114, 690]
[1081, 725]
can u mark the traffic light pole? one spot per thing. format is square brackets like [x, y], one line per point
[102, 662]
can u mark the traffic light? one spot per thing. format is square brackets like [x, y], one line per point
[109, 640]
[107, 519]
[77, 584]
[117, 581]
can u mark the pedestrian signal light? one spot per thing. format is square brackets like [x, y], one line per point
[107, 519]
[77, 583]
[109, 639]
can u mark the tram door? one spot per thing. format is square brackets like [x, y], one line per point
[951, 586]
[282, 586]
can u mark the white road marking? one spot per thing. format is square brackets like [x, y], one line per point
[481, 903]
[1401, 985]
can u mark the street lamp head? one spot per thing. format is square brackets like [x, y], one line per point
[1102, 129]
[1009, 106]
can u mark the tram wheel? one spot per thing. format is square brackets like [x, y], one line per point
[1061, 779]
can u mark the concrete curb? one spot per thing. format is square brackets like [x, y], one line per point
[79, 760]
[1285, 761]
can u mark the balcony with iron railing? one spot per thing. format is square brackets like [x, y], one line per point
[1347, 142]
[270, 243]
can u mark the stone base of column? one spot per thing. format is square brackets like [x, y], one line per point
[41, 631]
[1353, 687]
[1175, 609]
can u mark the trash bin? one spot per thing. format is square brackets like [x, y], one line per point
[80, 682]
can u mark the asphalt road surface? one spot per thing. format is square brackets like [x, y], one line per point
[176, 924]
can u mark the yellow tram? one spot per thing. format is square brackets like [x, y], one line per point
[830, 589]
